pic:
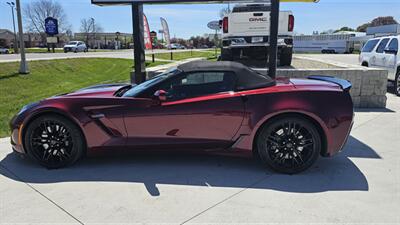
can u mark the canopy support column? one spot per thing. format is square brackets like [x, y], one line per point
[273, 39]
[139, 75]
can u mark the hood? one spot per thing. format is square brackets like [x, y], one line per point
[69, 46]
[104, 90]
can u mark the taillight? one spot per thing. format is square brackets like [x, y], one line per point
[291, 23]
[225, 24]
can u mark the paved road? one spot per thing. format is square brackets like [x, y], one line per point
[359, 186]
[348, 60]
[125, 54]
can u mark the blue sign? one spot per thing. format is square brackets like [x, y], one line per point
[51, 26]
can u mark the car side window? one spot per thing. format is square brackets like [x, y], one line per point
[394, 45]
[197, 84]
[369, 47]
[381, 47]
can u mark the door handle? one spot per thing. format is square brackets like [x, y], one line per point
[97, 116]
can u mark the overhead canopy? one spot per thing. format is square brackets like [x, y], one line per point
[116, 2]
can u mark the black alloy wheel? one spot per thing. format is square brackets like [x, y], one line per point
[289, 145]
[397, 83]
[54, 141]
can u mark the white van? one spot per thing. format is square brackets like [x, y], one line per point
[383, 53]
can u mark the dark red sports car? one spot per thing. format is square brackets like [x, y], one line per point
[221, 107]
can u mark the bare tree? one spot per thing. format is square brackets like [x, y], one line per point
[90, 28]
[37, 11]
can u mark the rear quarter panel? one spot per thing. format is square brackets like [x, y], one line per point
[331, 110]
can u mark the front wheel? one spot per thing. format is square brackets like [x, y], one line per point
[397, 83]
[54, 141]
[289, 145]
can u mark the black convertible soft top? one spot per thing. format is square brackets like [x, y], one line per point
[246, 78]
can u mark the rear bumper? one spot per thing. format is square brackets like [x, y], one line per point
[244, 42]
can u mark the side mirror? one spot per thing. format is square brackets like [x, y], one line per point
[390, 51]
[161, 95]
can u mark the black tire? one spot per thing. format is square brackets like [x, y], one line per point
[397, 83]
[286, 56]
[226, 55]
[76, 50]
[289, 144]
[54, 141]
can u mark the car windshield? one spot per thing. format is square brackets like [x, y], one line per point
[72, 43]
[134, 91]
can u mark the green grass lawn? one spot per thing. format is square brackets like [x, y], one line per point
[51, 77]
[57, 50]
[209, 54]
[43, 50]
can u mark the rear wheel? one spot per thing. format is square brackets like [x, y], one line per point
[289, 144]
[397, 83]
[286, 57]
[226, 55]
[54, 141]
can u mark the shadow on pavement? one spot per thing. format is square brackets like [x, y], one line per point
[328, 174]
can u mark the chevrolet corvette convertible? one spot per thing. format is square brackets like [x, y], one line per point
[217, 107]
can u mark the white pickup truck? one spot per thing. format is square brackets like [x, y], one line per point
[246, 33]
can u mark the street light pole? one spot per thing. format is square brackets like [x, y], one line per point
[23, 69]
[12, 5]
[94, 31]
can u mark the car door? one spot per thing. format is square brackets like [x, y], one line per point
[201, 111]
[391, 57]
[379, 58]
[80, 46]
[368, 52]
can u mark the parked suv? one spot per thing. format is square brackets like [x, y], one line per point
[383, 53]
[75, 46]
[4, 50]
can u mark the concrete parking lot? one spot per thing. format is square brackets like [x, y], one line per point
[360, 185]
[347, 60]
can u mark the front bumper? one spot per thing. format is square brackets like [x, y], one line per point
[16, 136]
[69, 49]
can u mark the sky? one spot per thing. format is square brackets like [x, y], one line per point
[189, 20]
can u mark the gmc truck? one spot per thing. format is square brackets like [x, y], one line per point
[245, 34]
